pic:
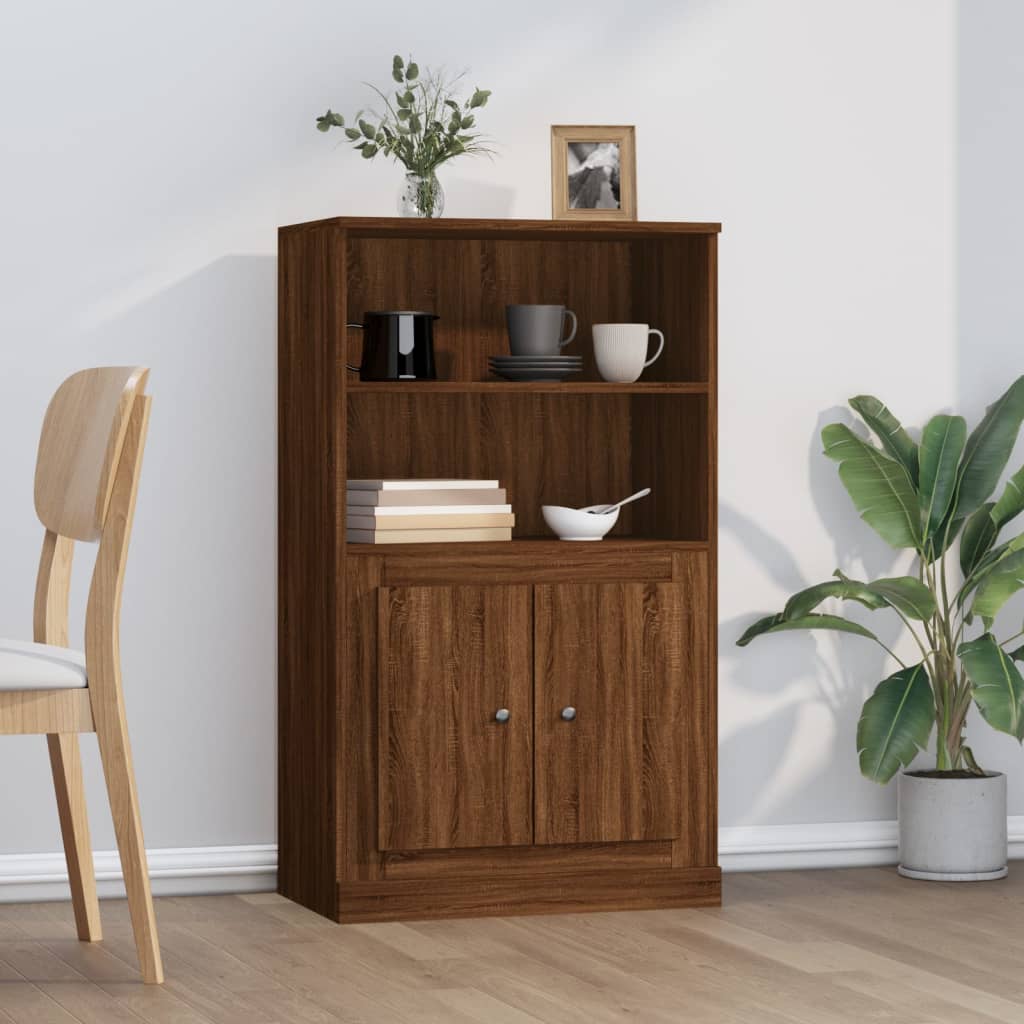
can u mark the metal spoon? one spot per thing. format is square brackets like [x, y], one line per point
[603, 510]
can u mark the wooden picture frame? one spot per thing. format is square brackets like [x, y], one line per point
[597, 192]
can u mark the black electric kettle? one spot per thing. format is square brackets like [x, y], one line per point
[399, 345]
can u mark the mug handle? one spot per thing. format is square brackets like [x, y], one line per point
[349, 366]
[654, 330]
[572, 334]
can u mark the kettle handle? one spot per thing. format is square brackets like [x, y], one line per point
[349, 366]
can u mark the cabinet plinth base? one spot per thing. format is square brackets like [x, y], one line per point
[411, 900]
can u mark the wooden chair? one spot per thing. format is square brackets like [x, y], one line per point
[87, 474]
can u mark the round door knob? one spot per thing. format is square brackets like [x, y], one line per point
[502, 715]
[568, 714]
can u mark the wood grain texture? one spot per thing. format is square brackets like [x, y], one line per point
[50, 626]
[573, 443]
[450, 775]
[469, 283]
[525, 561]
[572, 386]
[670, 455]
[308, 636]
[357, 853]
[698, 835]
[80, 447]
[53, 586]
[668, 276]
[103, 661]
[483, 228]
[531, 443]
[786, 947]
[699, 576]
[570, 859]
[66, 766]
[87, 477]
[537, 893]
[612, 652]
[28, 712]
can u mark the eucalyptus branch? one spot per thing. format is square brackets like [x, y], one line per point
[427, 124]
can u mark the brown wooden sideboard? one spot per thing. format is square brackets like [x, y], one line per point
[402, 793]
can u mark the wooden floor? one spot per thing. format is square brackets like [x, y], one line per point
[810, 947]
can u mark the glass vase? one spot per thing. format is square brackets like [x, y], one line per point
[421, 196]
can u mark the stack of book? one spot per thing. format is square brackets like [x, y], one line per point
[426, 511]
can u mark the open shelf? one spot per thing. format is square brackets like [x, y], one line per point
[562, 447]
[569, 387]
[662, 278]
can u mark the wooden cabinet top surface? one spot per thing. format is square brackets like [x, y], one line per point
[411, 227]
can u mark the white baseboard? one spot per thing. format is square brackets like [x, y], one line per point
[195, 871]
[204, 870]
[837, 844]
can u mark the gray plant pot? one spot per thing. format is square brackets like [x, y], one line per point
[952, 829]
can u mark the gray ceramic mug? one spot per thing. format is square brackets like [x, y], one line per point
[537, 330]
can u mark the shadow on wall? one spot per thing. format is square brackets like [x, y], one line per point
[199, 619]
[804, 690]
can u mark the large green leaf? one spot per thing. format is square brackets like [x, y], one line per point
[895, 723]
[895, 440]
[906, 594]
[998, 585]
[942, 444]
[988, 563]
[778, 622]
[988, 449]
[1011, 501]
[979, 536]
[879, 486]
[848, 590]
[997, 684]
[942, 540]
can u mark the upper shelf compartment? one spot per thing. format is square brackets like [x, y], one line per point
[468, 271]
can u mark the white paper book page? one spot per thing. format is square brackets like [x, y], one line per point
[418, 485]
[425, 510]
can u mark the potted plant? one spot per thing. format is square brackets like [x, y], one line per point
[925, 496]
[423, 127]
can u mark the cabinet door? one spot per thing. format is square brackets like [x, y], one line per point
[454, 769]
[608, 680]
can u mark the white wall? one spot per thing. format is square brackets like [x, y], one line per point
[990, 259]
[149, 152]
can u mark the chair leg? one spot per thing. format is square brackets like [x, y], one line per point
[66, 763]
[115, 752]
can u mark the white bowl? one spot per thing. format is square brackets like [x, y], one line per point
[578, 523]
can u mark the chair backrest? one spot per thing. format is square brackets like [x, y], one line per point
[80, 447]
[87, 472]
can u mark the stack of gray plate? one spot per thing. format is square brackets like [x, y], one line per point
[535, 367]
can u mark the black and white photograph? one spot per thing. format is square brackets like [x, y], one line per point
[594, 176]
[593, 172]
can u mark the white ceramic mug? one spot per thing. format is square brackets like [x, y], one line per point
[621, 350]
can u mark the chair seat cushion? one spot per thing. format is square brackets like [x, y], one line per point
[28, 666]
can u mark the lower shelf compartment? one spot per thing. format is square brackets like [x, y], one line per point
[499, 896]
